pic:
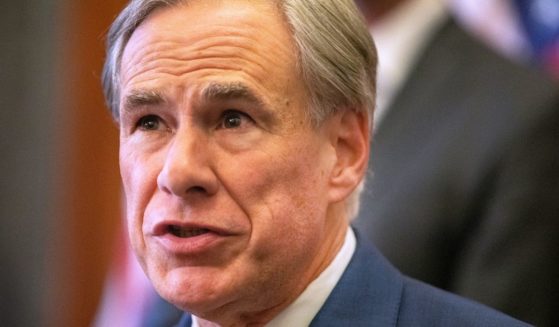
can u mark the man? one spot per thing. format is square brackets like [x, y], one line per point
[464, 164]
[244, 135]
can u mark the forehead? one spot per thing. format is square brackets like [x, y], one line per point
[209, 39]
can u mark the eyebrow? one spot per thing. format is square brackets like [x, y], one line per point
[139, 98]
[230, 91]
[214, 91]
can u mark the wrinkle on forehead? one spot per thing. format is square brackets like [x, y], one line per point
[192, 38]
[177, 59]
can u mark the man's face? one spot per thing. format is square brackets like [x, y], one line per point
[227, 184]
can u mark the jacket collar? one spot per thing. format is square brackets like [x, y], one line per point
[369, 290]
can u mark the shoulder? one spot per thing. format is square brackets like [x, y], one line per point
[423, 305]
[372, 292]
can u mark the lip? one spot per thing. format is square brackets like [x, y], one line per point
[212, 238]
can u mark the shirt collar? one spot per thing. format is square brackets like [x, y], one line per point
[400, 37]
[302, 311]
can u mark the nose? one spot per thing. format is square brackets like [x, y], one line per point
[186, 170]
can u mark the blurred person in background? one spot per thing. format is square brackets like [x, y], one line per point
[463, 190]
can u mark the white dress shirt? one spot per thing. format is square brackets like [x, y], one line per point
[400, 37]
[301, 312]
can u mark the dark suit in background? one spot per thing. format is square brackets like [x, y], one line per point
[372, 293]
[463, 189]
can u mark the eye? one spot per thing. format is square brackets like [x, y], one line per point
[233, 119]
[149, 123]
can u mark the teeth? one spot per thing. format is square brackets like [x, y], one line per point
[186, 232]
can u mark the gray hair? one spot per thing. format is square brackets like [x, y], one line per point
[336, 56]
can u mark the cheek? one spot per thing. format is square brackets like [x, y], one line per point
[283, 193]
[139, 171]
[139, 179]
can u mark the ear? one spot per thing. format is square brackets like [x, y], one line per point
[350, 137]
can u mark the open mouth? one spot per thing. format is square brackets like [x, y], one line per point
[184, 232]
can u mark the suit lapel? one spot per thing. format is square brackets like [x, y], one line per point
[369, 291]
[438, 64]
[420, 123]
[186, 320]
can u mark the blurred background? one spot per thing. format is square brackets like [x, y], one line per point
[60, 188]
[62, 245]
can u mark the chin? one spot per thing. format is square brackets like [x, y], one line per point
[191, 290]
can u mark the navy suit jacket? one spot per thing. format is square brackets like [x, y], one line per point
[372, 292]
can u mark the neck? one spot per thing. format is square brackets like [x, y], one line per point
[374, 10]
